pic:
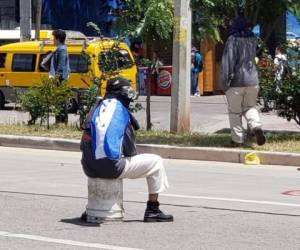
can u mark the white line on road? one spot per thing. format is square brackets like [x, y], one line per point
[232, 200]
[63, 242]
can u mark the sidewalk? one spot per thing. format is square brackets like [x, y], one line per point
[165, 151]
[208, 114]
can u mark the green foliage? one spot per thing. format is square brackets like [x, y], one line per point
[86, 100]
[153, 19]
[283, 96]
[295, 9]
[45, 99]
[111, 62]
[149, 19]
[210, 17]
[287, 98]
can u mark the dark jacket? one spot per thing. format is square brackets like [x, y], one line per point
[106, 168]
[238, 62]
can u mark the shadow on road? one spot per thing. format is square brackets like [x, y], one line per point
[78, 222]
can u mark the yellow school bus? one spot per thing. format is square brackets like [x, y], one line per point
[20, 64]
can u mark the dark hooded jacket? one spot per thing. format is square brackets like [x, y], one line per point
[238, 61]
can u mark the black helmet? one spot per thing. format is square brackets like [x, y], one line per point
[120, 88]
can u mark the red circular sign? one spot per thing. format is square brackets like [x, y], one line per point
[164, 79]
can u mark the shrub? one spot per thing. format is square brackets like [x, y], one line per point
[283, 96]
[45, 99]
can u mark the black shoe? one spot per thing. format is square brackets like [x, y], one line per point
[260, 136]
[153, 214]
[83, 217]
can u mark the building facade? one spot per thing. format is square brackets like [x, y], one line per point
[65, 14]
[9, 14]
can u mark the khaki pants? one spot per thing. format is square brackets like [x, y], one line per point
[242, 102]
[147, 166]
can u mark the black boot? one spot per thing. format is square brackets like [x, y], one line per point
[153, 214]
[260, 136]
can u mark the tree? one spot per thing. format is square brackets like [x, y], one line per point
[212, 18]
[282, 96]
[153, 19]
[148, 19]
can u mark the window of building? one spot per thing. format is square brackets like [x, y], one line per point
[2, 60]
[24, 62]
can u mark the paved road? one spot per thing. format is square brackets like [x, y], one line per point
[216, 206]
[208, 114]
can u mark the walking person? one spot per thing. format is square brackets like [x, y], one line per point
[239, 80]
[196, 69]
[109, 148]
[60, 67]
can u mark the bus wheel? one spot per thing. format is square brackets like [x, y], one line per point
[72, 106]
[2, 101]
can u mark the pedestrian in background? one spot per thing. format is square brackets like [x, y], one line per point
[156, 64]
[196, 69]
[239, 80]
[60, 67]
[281, 64]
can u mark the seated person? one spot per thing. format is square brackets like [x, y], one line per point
[109, 150]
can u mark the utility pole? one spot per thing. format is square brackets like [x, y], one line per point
[180, 103]
[38, 17]
[25, 20]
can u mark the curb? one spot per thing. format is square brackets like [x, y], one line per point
[170, 152]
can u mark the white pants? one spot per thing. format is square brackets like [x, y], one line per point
[149, 166]
[242, 102]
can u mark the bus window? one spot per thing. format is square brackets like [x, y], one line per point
[42, 56]
[24, 62]
[2, 60]
[78, 63]
[115, 60]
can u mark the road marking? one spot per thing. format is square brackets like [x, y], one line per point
[63, 242]
[231, 200]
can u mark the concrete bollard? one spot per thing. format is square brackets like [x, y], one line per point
[105, 200]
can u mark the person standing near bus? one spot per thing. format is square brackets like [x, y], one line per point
[60, 67]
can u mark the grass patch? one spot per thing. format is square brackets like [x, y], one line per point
[277, 141]
[54, 131]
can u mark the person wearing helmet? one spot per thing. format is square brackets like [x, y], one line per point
[109, 149]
